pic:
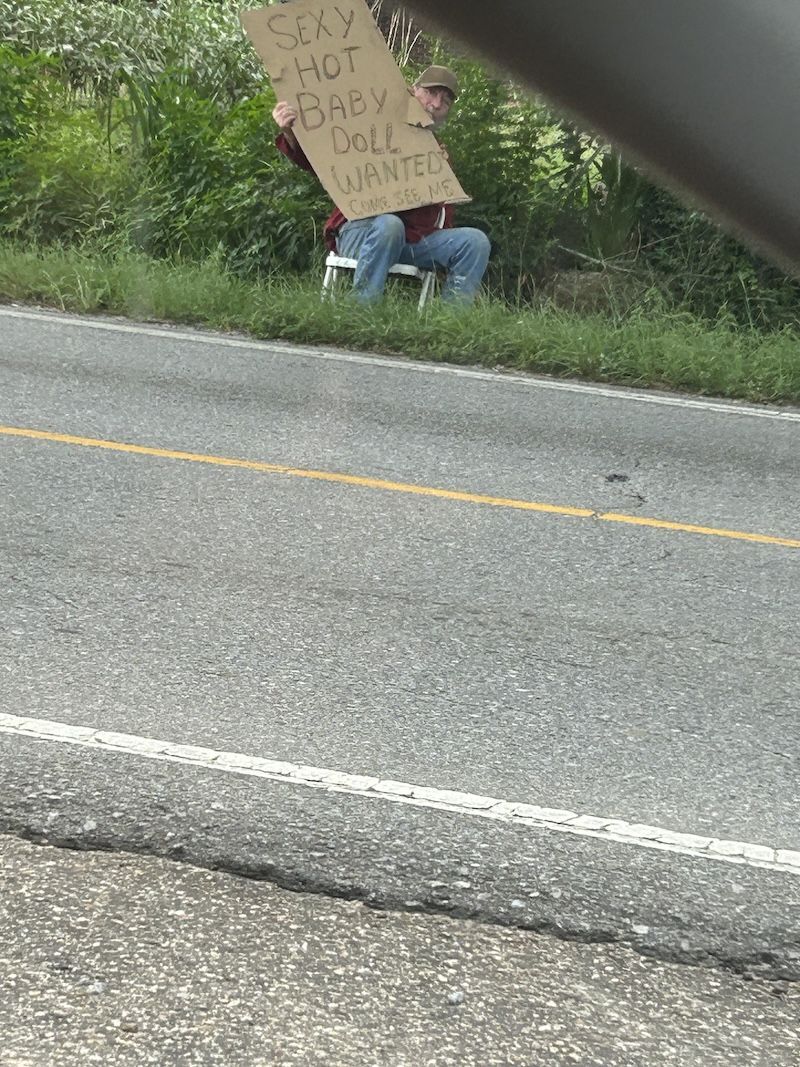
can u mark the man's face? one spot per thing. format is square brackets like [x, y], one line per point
[437, 101]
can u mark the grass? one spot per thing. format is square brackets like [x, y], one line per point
[646, 348]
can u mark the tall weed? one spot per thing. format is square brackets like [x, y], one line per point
[97, 43]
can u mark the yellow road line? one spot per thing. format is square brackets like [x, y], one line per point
[396, 487]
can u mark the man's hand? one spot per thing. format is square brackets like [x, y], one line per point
[285, 116]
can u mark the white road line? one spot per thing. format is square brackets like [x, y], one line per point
[699, 847]
[278, 348]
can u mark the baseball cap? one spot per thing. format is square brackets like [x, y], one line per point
[434, 76]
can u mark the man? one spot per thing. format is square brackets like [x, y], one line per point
[407, 236]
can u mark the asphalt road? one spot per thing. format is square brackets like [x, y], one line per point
[573, 661]
[142, 961]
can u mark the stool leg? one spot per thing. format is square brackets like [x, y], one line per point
[427, 290]
[327, 283]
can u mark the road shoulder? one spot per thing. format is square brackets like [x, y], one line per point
[142, 960]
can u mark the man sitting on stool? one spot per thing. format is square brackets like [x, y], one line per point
[407, 236]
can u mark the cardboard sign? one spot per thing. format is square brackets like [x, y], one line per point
[363, 132]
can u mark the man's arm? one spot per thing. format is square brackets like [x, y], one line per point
[285, 117]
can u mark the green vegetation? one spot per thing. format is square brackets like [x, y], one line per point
[138, 175]
[648, 347]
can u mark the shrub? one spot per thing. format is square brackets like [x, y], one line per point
[96, 43]
[711, 272]
[26, 98]
[71, 185]
[212, 180]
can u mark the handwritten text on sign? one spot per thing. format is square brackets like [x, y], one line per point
[360, 128]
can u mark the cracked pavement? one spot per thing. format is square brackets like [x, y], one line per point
[143, 961]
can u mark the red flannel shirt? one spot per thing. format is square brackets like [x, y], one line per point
[418, 221]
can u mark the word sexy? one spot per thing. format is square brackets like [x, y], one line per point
[311, 26]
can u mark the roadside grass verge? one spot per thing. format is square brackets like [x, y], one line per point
[646, 347]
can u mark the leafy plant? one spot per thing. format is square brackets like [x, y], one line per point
[709, 271]
[69, 186]
[27, 102]
[99, 42]
[211, 179]
[614, 206]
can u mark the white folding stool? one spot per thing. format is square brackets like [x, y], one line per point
[335, 263]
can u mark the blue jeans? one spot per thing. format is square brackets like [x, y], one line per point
[380, 242]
